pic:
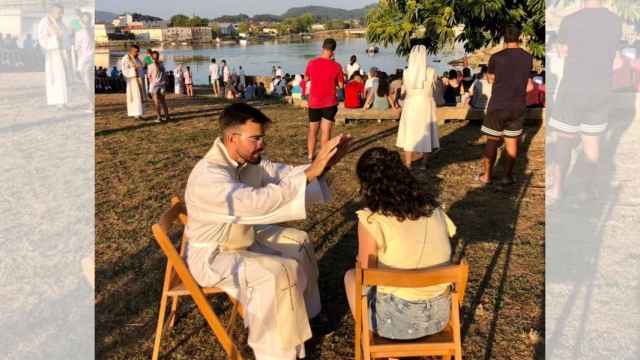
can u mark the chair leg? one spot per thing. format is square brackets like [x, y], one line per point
[174, 311]
[234, 313]
[160, 327]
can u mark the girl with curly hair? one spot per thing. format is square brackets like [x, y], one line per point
[401, 227]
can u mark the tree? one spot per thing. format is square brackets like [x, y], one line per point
[434, 23]
[244, 27]
[305, 21]
[198, 21]
[179, 20]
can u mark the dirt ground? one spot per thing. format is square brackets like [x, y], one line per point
[140, 165]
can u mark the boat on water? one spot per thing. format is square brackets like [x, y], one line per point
[372, 50]
[242, 42]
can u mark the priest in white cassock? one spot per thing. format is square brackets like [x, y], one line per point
[51, 34]
[131, 65]
[234, 197]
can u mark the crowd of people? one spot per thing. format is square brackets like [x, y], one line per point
[19, 56]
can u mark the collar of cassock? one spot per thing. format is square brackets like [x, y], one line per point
[218, 155]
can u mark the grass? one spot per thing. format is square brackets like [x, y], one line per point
[139, 166]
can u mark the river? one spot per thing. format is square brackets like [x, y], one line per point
[258, 58]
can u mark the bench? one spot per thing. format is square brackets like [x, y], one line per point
[345, 114]
[444, 114]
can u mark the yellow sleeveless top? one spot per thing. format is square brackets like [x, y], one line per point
[411, 245]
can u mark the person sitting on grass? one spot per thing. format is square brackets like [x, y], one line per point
[402, 228]
[381, 99]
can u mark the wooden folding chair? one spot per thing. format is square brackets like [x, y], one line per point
[446, 343]
[179, 282]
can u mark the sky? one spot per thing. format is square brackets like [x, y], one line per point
[215, 8]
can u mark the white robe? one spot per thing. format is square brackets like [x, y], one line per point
[233, 245]
[50, 37]
[418, 129]
[134, 86]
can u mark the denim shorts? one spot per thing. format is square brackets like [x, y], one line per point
[395, 318]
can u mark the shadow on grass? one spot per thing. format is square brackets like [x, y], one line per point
[490, 214]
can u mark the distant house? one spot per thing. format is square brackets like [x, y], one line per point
[187, 34]
[201, 34]
[318, 27]
[227, 29]
[122, 20]
[270, 31]
[177, 34]
[149, 34]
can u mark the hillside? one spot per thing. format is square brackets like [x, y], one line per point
[328, 13]
[105, 16]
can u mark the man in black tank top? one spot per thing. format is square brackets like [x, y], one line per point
[509, 73]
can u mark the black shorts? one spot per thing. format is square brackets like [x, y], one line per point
[504, 122]
[584, 113]
[328, 113]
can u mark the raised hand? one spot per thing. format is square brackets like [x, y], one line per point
[327, 151]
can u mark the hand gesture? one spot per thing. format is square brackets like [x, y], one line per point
[327, 151]
[343, 149]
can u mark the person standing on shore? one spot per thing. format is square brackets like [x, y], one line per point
[130, 65]
[243, 80]
[179, 82]
[188, 81]
[157, 82]
[509, 73]
[325, 75]
[215, 77]
[225, 74]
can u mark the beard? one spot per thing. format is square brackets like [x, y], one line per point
[253, 159]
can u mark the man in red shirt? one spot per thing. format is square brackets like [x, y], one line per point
[325, 75]
[354, 92]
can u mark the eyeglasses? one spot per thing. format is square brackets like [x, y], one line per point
[253, 138]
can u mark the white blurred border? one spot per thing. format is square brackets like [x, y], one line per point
[46, 196]
[593, 231]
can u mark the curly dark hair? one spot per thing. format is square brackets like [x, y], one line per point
[389, 188]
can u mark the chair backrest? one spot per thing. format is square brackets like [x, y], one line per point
[160, 231]
[455, 274]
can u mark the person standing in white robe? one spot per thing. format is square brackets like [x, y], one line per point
[233, 198]
[179, 80]
[418, 129]
[51, 34]
[130, 65]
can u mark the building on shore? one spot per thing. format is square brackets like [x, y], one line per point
[318, 27]
[226, 29]
[199, 34]
[270, 31]
[149, 34]
[101, 33]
